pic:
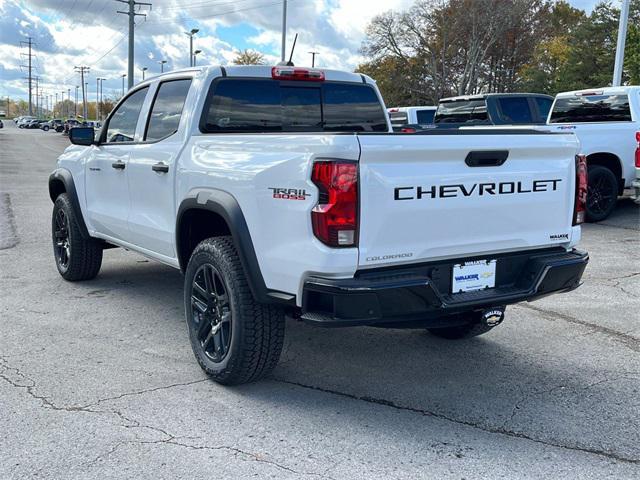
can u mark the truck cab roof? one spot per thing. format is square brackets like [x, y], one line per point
[601, 91]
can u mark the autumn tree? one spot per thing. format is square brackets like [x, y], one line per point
[249, 57]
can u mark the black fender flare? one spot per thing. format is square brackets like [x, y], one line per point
[225, 205]
[62, 175]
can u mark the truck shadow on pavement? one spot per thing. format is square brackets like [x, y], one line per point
[522, 379]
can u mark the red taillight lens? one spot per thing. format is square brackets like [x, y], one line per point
[408, 130]
[292, 73]
[335, 217]
[579, 209]
[638, 150]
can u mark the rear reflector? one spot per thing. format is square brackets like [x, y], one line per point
[579, 209]
[292, 73]
[335, 217]
[638, 150]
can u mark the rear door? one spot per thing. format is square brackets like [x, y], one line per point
[427, 197]
[152, 170]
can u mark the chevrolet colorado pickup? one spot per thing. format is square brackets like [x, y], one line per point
[281, 190]
[607, 124]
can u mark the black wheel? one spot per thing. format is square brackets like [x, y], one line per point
[234, 338]
[45, 128]
[602, 193]
[473, 328]
[76, 258]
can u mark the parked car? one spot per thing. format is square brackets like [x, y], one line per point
[283, 189]
[493, 109]
[24, 120]
[402, 116]
[57, 125]
[70, 123]
[1, 124]
[606, 121]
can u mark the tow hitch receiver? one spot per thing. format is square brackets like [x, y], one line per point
[493, 317]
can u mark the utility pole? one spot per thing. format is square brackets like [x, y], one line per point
[132, 16]
[55, 105]
[313, 58]
[622, 37]
[98, 98]
[191, 34]
[82, 69]
[101, 99]
[283, 52]
[68, 96]
[75, 109]
[64, 109]
[37, 103]
[29, 55]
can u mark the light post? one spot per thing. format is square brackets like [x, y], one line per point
[101, 98]
[75, 107]
[86, 101]
[55, 104]
[144, 69]
[162, 62]
[98, 98]
[124, 75]
[194, 56]
[68, 94]
[191, 34]
[63, 109]
[313, 58]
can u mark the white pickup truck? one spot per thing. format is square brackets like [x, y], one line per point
[607, 123]
[281, 190]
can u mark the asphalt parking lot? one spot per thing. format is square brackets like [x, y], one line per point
[97, 379]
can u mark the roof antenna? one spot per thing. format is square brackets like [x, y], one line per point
[289, 63]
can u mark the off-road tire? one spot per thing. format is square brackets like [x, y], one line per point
[607, 184]
[257, 330]
[460, 332]
[84, 255]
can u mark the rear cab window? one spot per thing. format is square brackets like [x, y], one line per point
[398, 119]
[462, 111]
[514, 110]
[591, 108]
[242, 105]
[425, 117]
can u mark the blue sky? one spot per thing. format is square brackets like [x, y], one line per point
[89, 32]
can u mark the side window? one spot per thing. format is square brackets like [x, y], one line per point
[122, 125]
[515, 110]
[544, 105]
[167, 109]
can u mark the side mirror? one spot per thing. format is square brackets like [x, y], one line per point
[82, 136]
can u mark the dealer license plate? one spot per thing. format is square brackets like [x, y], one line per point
[477, 275]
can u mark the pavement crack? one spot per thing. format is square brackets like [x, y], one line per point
[475, 425]
[625, 339]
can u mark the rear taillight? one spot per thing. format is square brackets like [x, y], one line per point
[294, 73]
[638, 150]
[579, 209]
[408, 130]
[335, 217]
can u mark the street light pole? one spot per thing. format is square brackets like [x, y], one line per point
[622, 36]
[194, 56]
[144, 69]
[313, 58]
[124, 75]
[283, 52]
[162, 62]
[75, 108]
[191, 34]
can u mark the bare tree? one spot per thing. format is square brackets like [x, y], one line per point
[249, 57]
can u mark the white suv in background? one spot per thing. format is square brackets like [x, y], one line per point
[607, 123]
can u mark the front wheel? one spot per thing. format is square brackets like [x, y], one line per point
[234, 338]
[77, 258]
[45, 128]
[602, 193]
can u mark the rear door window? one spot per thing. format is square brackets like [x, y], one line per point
[263, 105]
[167, 109]
[514, 110]
[591, 108]
[462, 111]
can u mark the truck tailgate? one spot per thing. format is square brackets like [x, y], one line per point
[428, 197]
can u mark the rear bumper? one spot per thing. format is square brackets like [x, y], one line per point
[421, 294]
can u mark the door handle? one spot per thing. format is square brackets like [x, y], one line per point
[118, 165]
[484, 158]
[160, 167]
